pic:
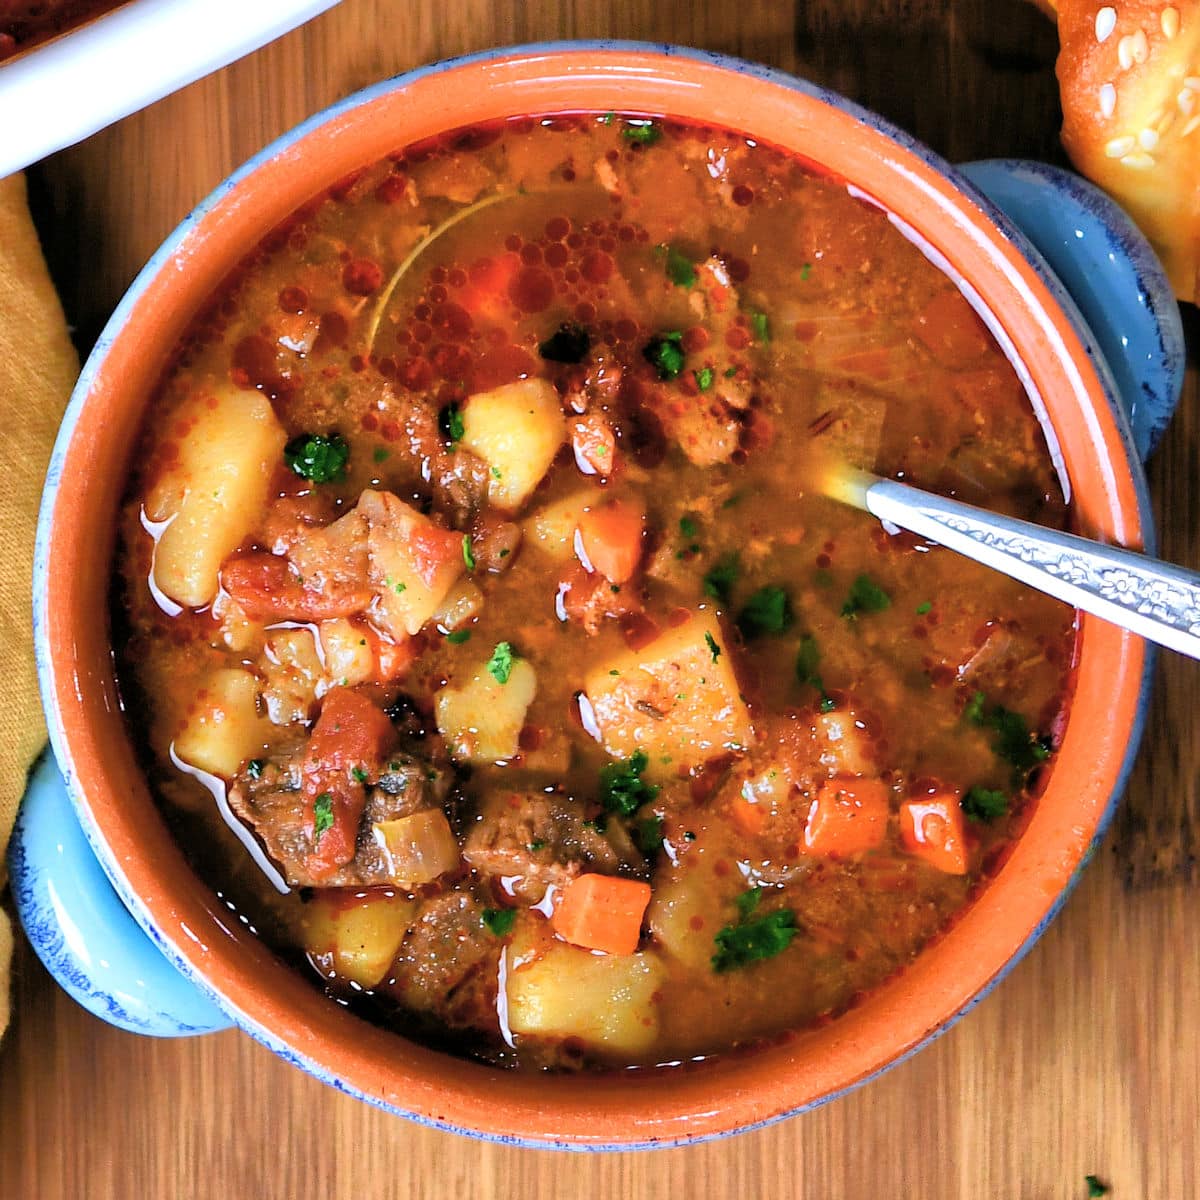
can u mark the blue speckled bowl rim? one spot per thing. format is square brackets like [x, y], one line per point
[41, 565]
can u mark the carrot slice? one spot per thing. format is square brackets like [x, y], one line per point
[602, 912]
[848, 815]
[932, 829]
[610, 539]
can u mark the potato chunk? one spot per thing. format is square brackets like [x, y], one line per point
[215, 491]
[676, 698]
[606, 1001]
[356, 939]
[517, 430]
[552, 527]
[226, 727]
[482, 720]
[413, 563]
[349, 657]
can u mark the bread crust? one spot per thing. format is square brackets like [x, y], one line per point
[1129, 73]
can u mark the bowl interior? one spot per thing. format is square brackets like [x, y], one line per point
[276, 1005]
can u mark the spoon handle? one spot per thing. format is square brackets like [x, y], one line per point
[1157, 600]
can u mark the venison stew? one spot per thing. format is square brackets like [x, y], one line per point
[491, 653]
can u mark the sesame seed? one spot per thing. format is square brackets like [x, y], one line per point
[1148, 139]
[1140, 46]
[1120, 146]
[1186, 101]
[1192, 125]
[1139, 162]
[1169, 19]
[1108, 100]
[1125, 52]
[1106, 22]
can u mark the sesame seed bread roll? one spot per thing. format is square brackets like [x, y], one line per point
[1129, 73]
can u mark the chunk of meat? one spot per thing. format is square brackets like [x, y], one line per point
[267, 588]
[532, 841]
[704, 427]
[590, 599]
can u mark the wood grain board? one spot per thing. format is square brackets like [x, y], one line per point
[1086, 1059]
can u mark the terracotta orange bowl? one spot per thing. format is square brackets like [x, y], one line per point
[269, 1000]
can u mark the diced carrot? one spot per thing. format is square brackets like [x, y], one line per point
[611, 539]
[267, 589]
[932, 828]
[594, 444]
[848, 815]
[602, 912]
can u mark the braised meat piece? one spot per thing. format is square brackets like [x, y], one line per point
[531, 840]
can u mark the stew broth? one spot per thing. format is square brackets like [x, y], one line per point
[495, 656]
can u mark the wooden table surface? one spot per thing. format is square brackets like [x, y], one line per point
[1085, 1060]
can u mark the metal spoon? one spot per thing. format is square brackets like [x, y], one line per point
[1156, 600]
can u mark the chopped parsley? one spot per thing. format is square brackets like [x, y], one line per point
[751, 941]
[805, 272]
[322, 815]
[808, 659]
[679, 268]
[713, 648]
[721, 576]
[468, 553]
[648, 833]
[761, 324]
[748, 901]
[536, 845]
[767, 611]
[688, 527]
[567, 344]
[382, 454]
[450, 422]
[360, 775]
[458, 637]
[866, 596]
[984, 804]
[641, 133]
[665, 353]
[1013, 740]
[317, 457]
[496, 473]
[254, 768]
[1095, 1188]
[608, 118]
[500, 920]
[704, 378]
[622, 789]
[500, 665]
[923, 608]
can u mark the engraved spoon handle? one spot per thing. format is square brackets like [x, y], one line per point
[1157, 600]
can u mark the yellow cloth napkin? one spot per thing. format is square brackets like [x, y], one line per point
[37, 368]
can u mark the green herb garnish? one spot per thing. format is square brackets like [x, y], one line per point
[567, 344]
[984, 804]
[500, 665]
[622, 789]
[923, 608]
[458, 637]
[450, 422]
[767, 611]
[317, 457]
[805, 271]
[704, 378]
[721, 576]
[641, 133]
[761, 324]
[1095, 1188]
[688, 527]
[468, 553]
[866, 596]
[680, 269]
[665, 352]
[382, 454]
[322, 815]
[359, 773]
[499, 920]
[713, 648]
[748, 901]
[740, 945]
[254, 768]
[1013, 740]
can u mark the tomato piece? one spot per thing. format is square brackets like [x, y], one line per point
[932, 828]
[267, 589]
[611, 538]
[848, 816]
[433, 549]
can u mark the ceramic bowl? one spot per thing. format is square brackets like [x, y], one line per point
[1013, 289]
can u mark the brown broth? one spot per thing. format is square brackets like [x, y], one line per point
[842, 341]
